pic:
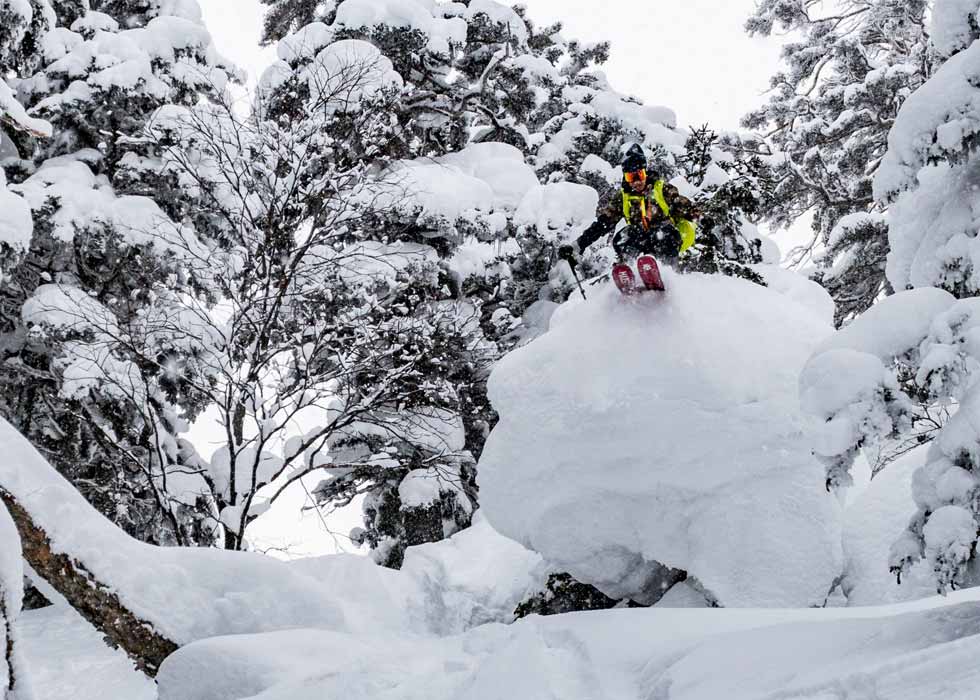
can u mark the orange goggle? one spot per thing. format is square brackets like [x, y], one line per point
[637, 176]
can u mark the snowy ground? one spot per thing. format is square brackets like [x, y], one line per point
[914, 651]
[69, 661]
[435, 630]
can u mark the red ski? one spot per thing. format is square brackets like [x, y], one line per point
[624, 278]
[650, 273]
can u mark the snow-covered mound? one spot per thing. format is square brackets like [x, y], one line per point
[667, 429]
[474, 577]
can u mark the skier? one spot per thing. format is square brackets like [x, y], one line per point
[660, 222]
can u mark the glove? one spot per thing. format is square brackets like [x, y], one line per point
[567, 252]
[666, 231]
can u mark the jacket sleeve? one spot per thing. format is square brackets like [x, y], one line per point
[606, 219]
[680, 206]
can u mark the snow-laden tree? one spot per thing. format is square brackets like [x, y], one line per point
[313, 345]
[847, 71]
[906, 370]
[104, 75]
[97, 79]
[420, 486]
[22, 26]
[16, 224]
[286, 16]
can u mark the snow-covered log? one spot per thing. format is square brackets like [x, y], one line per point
[90, 596]
[147, 600]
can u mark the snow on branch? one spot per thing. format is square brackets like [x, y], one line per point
[13, 114]
[940, 122]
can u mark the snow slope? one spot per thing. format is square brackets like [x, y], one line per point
[914, 651]
[667, 429]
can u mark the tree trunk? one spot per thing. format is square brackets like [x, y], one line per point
[8, 632]
[90, 597]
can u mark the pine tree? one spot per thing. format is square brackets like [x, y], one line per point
[731, 188]
[907, 363]
[828, 119]
[98, 82]
[286, 16]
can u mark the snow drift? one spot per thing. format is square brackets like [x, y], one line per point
[667, 429]
[913, 651]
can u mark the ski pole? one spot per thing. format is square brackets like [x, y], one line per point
[577, 281]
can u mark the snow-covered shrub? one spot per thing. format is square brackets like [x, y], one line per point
[563, 594]
[888, 383]
[858, 389]
[857, 402]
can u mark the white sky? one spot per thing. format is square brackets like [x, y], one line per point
[689, 55]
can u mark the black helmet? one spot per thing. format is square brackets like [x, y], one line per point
[634, 158]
